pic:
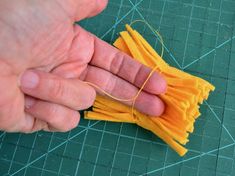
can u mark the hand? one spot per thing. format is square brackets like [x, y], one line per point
[44, 59]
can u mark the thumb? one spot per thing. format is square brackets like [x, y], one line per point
[82, 9]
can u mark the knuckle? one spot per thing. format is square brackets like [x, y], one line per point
[117, 62]
[57, 89]
[111, 84]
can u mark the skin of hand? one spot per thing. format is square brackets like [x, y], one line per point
[45, 59]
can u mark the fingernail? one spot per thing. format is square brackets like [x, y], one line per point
[29, 102]
[29, 80]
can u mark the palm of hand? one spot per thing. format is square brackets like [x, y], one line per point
[43, 42]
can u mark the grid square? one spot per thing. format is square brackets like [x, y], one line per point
[113, 127]
[42, 142]
[172, 157]
[199, 125]
[93, 137]
[209, 143]
[11, 138]
[229, 117]
[89, 154]
[99, 126]
[117, 172]
[144, 134]
[6, 151]
[109, 141]
[188, 171]
[218, 95]
[158, 152]
[228, 6]
[122, 161]
[22, 155]
[213, 15]
[207, 172]
[231, 87]
[52, 162]
[139, 165]
[48, 173]
[101, 170]
[85, 168]
[221, 68]
[26, 140]
[68, 166]
[73, 150]
[125, 145]
[175, 170]
[4, 166]
[108, 159]
[129, 129]
[231, 74]
[153, 165]
[213, 130]
[195, 142]
[208, 163]
[197, 24]
[224, 165]
[199, 12]
[230, 101]
[142, 149]
[208, 40]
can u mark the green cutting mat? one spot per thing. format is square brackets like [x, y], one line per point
[199, 37]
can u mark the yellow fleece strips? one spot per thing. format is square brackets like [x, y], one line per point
[184, 94]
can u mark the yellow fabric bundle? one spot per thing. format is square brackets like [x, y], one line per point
[184, 94]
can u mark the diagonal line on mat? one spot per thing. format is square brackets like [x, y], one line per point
[2, 134]
[124, 16]
[187, 33]
[167, 50]
[189, 159]
[216, 116]
[51, 150]
[211, 51]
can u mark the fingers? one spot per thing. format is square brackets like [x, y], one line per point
[68, 92]
[146, 103]
[55, 117]
[122, 65]
[105, 56]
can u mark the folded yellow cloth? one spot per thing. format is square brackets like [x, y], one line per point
[184, 94]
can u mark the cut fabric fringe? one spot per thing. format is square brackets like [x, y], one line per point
[184, 94]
